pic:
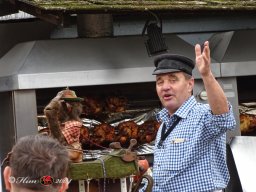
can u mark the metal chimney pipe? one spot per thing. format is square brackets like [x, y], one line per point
[94, 25]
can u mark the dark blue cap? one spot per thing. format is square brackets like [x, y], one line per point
[168, 63]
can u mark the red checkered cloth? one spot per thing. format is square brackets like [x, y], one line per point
[71, 131]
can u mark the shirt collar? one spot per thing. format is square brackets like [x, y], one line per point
[182, 112]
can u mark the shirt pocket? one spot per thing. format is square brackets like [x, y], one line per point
[177, 153]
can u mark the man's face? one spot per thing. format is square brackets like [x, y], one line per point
[173, 89]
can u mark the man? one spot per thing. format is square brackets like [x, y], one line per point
[190, 149]
[37, 163]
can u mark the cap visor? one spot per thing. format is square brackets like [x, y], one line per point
[162, 71]
[78, 99]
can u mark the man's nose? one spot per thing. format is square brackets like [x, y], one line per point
[166, 85]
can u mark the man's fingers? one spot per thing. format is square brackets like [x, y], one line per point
[206, 50]
[198, 50]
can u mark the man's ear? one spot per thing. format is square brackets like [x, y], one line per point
[191, 84]
[7, 175]
[64, 185]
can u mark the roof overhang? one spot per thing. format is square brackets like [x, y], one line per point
[139, 5]
[58, 12]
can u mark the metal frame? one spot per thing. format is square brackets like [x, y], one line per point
[18, 117]
[243, 150]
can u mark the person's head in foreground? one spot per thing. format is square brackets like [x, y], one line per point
[37, 163]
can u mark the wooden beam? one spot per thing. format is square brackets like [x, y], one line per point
[56, 17]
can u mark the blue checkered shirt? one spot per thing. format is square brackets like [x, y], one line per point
[193, 156]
